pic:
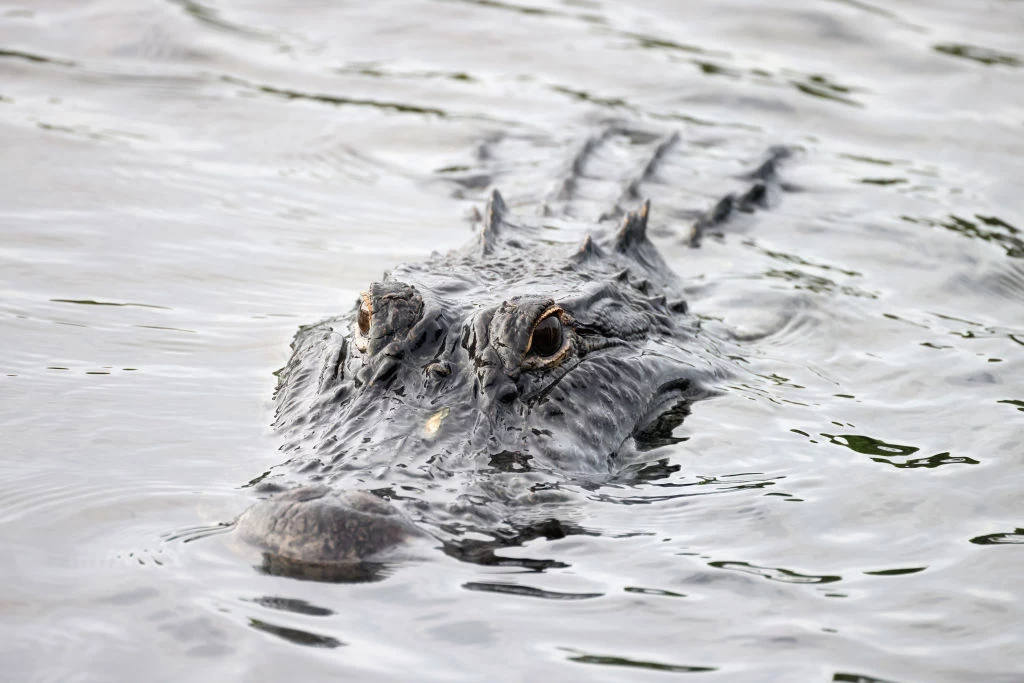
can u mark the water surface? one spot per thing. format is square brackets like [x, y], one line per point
[185, 183]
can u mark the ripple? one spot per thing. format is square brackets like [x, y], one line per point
[166, 329]
[896, 572]
[94, 302]
[775, 573]
[518, 9]
[786, 318]
[818, 284]
[824, 87]
[893, 454]
[527, 591]
[294, 635]
[841, 677]
[210, 17]
[880, 12]
[985, 228]
[1015, 537]
[655, 43]
[607, 660]
[980, 55]
[45, 498]
[654, 591]
[374, 71]
[883, 181]
[1013, 402]
[196, 533]
[293, 605]
[335, 100]
[590, 98]
[801, 261]
[1005, 279]
[704, 486]
[35, 58]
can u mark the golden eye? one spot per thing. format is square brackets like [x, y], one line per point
[365, 316]
[547, 337]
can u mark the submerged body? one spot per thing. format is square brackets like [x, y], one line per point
[462, 391]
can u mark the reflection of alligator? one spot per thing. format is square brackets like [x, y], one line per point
[462, 394]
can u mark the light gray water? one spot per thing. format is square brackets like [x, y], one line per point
[183, 184]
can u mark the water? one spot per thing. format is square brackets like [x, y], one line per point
[185, 183]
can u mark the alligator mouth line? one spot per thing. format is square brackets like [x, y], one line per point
[542, 393]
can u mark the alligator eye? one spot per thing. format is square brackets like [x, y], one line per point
[548, 336]
[365, 313]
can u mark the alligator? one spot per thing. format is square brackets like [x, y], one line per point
[463, 399]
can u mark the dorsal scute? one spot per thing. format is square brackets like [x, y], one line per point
[494, 219]
[589, 250]
[633, 231]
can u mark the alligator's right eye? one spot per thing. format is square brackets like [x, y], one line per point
[365, 316]
[549, 342]
[547, 337]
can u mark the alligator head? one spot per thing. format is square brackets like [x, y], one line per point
[460, 392]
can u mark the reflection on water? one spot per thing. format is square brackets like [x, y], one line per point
[293, 605]
[294, 635]
[186, 183]
[336, 100]
[894, 454]
[841, 677]
[1016, 536]
[775, 573]
[528, 591]
[29, 57]
[355, 572]
[635, 663]
[982, 55]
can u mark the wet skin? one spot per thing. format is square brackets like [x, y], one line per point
[461, 393]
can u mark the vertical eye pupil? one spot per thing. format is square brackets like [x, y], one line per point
[364, 320]
[547, 336]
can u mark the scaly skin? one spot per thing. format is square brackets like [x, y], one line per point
[462, 392]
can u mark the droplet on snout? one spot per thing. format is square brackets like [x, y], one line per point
[434, 421]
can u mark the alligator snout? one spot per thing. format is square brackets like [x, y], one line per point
[314, 526]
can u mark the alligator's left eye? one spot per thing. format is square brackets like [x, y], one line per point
[549, 340]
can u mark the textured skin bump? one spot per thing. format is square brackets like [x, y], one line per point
[313, 524]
